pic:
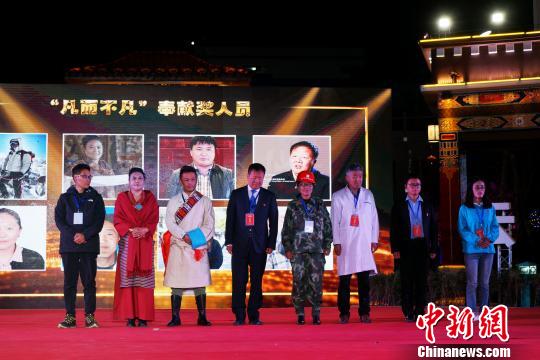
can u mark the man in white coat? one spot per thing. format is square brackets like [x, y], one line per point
[355, 224]
[188, 268]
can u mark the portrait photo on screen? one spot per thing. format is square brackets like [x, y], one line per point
[23, 166]
[23, 237]
[277, 260]
[213, 156]
[289, 156]
[110, 156]
[108, 242]
[220, 214]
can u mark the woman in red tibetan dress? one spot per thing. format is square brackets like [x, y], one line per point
[136, 215]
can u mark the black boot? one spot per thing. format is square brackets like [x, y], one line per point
[176, 302]
[201, 307]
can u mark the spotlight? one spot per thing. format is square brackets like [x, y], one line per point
[444, 23]
[497, 18]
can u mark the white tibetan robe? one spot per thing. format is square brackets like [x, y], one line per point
[182, 270]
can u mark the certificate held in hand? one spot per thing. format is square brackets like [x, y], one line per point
[197, 238]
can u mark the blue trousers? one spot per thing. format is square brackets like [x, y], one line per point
[478, 268]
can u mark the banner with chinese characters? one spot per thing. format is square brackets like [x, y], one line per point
[219, 130]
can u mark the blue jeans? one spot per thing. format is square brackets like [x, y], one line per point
[478, 267]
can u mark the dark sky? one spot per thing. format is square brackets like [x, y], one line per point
[331, 44]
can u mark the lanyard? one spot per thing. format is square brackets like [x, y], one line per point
[415, 213]
[76, 199]
[308, 212]
[356, 197]
[253, 202]
[480, 214]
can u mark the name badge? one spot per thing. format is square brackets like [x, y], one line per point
[250, 219]
[480, 233]
[417, 231]
[78, 218]
[355, 220]
[308, 228]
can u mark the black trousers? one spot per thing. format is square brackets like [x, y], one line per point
[16, 177]
[414, 267]
[344, 293]
[85, 265]
[241, 262]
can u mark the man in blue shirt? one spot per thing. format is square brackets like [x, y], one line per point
[413, 236]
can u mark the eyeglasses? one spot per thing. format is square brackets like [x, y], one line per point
[85, 177]
[414, 185]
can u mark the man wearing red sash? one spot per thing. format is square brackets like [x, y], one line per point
[187, 267]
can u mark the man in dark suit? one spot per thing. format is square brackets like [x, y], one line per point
[302, 157]
[413, 236]
[250, 235]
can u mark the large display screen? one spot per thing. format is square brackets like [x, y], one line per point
[45, 130]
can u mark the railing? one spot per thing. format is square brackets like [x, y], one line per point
[504, 242]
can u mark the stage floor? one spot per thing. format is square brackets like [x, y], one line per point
[28, 334]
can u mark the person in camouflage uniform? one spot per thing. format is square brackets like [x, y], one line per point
[307, 237]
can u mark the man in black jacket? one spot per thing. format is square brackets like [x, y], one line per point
[414, 240]
[79, 215]
[250, 235]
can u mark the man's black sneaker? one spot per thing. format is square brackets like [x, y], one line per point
[68, 323]
[90, 321]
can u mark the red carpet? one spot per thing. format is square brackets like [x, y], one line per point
[26, 334]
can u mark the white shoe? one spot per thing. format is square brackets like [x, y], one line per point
[476, 317]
